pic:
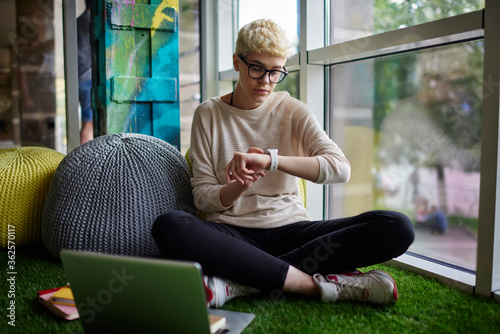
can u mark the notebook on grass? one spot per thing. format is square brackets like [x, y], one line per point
[122, 294]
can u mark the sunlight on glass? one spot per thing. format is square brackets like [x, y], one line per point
[283, 12]
[358, 19]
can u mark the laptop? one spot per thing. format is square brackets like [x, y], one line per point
[123, 294]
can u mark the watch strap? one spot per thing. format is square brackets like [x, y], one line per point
[274, 159]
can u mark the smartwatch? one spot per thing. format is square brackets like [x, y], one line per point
[274, 159]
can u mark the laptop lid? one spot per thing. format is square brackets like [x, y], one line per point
[122, 294]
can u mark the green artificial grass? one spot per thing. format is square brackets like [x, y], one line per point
[424, 306]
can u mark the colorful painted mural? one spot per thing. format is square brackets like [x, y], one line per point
[136, 68]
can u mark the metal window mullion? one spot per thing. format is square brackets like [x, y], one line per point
[209, 85]
[328, 205]
[311, 85]
[327, 189]
[488, 252]
[71, 73]
[450, 30]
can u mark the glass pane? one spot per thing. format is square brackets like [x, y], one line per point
[411, 126]
[32, 94]
[359, 18]
[283, 12]
[291, 84]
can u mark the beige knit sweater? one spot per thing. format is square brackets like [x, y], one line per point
[281, 122]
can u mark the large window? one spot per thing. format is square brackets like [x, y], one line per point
[406, 103]
[411, 126]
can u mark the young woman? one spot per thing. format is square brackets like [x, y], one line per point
[247, 150]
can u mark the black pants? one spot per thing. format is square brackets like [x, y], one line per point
[260, 257]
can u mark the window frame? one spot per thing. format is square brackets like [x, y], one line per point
[71, 73]
[488, 254]
[457, 29]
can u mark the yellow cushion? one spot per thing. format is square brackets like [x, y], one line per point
[302, 182]
[25, 177]
[302, 189]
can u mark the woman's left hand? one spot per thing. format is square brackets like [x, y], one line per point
[247, 167]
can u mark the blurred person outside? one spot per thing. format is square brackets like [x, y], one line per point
[434, 220]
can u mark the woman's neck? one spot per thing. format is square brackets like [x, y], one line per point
[239, 100]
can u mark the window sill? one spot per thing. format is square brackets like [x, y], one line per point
[456, 278]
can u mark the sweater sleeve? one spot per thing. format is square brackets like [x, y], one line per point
[206, 186]
[333, 165]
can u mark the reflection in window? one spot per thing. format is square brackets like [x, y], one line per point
[411, 126]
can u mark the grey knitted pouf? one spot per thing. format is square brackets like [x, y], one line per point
[106, 194]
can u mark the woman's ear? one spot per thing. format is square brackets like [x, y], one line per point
[236, 62]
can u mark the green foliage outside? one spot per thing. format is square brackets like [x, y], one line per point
[395, 14]
[471, 223]
[290, 84]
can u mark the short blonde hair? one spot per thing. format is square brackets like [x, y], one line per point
[263, 35]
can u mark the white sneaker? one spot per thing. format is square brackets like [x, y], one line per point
[220, 291]
[347, 276]
[375, 286]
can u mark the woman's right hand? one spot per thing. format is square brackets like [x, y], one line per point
[247, 168]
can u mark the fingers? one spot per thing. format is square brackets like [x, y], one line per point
[255, 177]
[237, 169]
[255, 150]
[246, 167]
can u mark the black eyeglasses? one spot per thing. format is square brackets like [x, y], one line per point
[258, 72]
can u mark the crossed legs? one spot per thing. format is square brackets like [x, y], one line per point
[286, 257]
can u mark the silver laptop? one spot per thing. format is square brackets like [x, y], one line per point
[123, 294]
